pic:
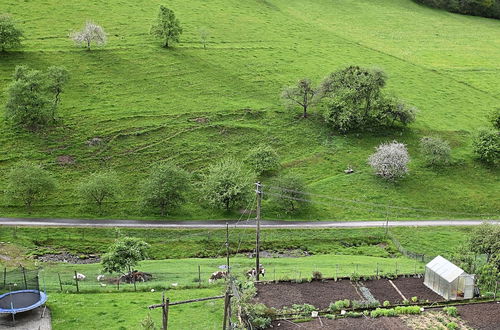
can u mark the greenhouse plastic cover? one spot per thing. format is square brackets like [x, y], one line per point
[445, 269]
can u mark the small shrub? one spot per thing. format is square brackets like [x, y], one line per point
[390, 161]
[403, 310]
[452, 326]
[318, 276]
[414, 299]
[435, 151]
[148, 323]
[386, 303]
[330, 316]
[353, 314]
[495, 118]
[303, 309]
[339, 305]
[354, 277]
[356, 304]
[260, 322]
[451, 311]
[366, 312]
[383, 312]
[487, 146]
[406, 302]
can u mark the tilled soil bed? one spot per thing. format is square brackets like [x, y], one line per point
[382, 290]
[484, 316]
[414, 287]
[382, 323]
[317, 293]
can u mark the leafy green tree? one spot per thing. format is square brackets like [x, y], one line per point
[435, 151]
[10, 35]
[165, 188]
[124, 254]
[263, 159]
[487, 146]
[227, 184]
[99, 187]
[57, 77]
[288, 194]
[485, 239]
[28, 183]
[28, 104]
[303, 95]
[167, 27]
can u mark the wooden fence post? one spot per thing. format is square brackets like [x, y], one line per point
[226, 307]
[24, 276]
[118, 284]
[377, 269]
[76, 281]
[164, 308]
[199, 276]
[60, 283]
[135, 288]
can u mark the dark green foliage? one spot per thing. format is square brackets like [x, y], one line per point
[451, 311]
[28, 183]
[165, 188]
[33, 96]
[10, 35]
[263, 159]
[99, 187]
[487, 146]
[167, 27]
[287, 193]
[316, 275]
[353, 99]
[485, 8]
[227, 184]
[495, 118]
[339, 305]
[124, 254]
[362, 304]
[435, 151]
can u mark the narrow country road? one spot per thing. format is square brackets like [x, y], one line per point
[214, 224]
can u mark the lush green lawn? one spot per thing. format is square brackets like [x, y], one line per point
[143, 100]
[127, 310]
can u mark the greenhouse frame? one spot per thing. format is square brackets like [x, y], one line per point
[448, 280]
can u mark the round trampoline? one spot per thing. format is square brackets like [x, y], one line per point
[21, 301]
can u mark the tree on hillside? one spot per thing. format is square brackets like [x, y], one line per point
[289, 194]
[10, 35]
[124, 254]
[28, 103]
[57, 77]
[99, 187]
[263, 159]
[91, 33]
[227, 184]
[167, 27]
[487, 146]
[353, 99]
[165, 188]
[303, 95]
[435, 151]
[390, 161]
[28, 183]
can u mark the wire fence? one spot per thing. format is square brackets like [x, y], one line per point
[70, 281]
[410, 254]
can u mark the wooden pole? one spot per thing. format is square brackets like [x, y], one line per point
[76, 281]
[135, 288]
[226, 306]
[227, 250]
[199, 276]
[164, 308]
[118, 284]
[24, 276]
[5, 278]
[60, 283]
[257, 235]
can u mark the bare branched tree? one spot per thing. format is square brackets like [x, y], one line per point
[303, 94]
[91, 33]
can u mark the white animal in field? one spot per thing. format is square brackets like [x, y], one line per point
[100, 278]
[79, 277]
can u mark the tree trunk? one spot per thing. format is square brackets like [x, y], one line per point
[305, 111]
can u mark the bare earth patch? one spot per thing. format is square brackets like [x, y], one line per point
[31, 320]
[364, 323]
[432, 320]
[484, 316]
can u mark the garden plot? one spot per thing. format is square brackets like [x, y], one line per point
[383, 323]
[485, 316]
[321, 293]
[414, 287]
[317, 293]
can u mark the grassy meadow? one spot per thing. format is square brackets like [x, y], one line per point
[193, 106]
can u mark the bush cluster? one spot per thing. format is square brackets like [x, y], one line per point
[339, 305]
[486, 8]
[451, 311]
[398, 310]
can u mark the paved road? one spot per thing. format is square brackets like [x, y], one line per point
[213, 224]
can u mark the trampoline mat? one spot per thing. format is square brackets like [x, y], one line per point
[19, 299]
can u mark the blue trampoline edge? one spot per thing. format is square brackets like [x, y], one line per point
[40, 302]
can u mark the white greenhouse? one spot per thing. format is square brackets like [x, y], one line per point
[448, 280]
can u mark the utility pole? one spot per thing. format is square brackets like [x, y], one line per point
[257, 236]
[227, 249]
[387, 221]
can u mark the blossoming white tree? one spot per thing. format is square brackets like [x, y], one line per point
[91, 33]
[390, 161]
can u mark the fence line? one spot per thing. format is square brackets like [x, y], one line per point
[410, 254]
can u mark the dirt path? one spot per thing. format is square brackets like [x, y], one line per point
[214, 224]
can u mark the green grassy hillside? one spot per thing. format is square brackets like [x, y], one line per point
[194, 106]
